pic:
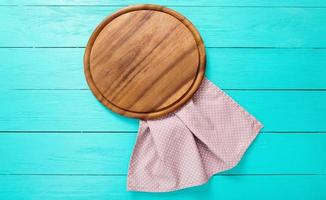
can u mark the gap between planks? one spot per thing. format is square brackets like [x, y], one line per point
[167, 5]
[207, 47]
[124, 175]
[226, 89]
[135, 132]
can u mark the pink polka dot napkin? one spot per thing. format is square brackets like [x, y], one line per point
[207, 135]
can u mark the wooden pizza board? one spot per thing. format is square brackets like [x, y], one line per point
[144, 61]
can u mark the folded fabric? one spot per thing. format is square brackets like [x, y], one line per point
[209, 134]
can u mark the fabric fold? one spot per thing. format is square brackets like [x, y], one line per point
[209, 134]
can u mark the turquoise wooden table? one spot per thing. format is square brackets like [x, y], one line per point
[58, 142]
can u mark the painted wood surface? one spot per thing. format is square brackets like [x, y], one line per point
[267, 3]
[57, 26]
[282, 187]
[99, 154]
[58, 142]
[229, 68]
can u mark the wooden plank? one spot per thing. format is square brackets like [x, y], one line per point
[109, 154]
[228, 67]
[251, 26]
[279, 187]
[79, 110]
[305, 3]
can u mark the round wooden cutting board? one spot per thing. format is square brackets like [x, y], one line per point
[144, 61]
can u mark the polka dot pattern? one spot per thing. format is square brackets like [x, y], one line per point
[207, 135]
